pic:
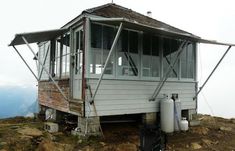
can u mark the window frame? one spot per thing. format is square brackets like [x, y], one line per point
[140, 62]
[91, 49]
[57, 71]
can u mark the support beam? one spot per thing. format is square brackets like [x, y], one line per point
[26, 63]
[44, 61]
[106, 62]
[171, 66]
[47, 72]
[200, 89]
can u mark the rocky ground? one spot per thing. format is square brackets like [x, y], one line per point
[26, 134]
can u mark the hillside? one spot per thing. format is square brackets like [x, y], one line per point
[25, 134]
[17, 101]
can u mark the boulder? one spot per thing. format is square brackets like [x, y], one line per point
[195, 146]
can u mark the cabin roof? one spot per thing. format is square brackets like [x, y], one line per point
[112, 10]
[114, 14]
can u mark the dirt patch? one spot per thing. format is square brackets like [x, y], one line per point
[48, 145]
[27, 131]
[214, 134]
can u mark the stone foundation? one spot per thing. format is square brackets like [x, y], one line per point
[89, 126]
[149, 118]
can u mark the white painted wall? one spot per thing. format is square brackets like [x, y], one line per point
[118, 97]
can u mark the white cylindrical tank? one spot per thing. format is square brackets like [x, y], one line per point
[184, 124]
[177, 111]
[167, 115]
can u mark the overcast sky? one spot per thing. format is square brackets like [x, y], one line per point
[209, 19]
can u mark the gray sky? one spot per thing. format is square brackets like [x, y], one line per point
[209, 19]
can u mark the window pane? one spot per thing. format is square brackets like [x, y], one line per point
[187, 62]
[124, 40]
[184, 63]
[96, 61]
[108, 37]
[81, 40]
[155, 65]
[109, 67]
[123, 66]
[96, 36]
[133, 42]
[146, 44]
[147, 65]
[76, 58]
[190, 61]
[146, 55]
[65, 55]
[128, 54]
[170, 48]
[57, 58]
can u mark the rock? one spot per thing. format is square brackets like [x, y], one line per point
[14, 127]
[194, 123]
[30, 131]
[207, 142]
[3, 143]
[195, 146]
[79, 141]
[102, 143]
[225, 129]
[48, 145]
[232, 120]
[200, 130]
[126, 147]
[88, 148]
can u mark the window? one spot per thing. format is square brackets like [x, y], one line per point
[57, 58]
[78, 52]
[101, 41]
[128, 57]
[151, 59]
[62, 56]
[170, 48]
[65, 55]
[188, 62]
[44, 51]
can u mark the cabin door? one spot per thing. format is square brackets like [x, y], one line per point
[77, 63]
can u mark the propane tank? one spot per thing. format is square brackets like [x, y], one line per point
[177, 111]
[184, 124]
[167, 115]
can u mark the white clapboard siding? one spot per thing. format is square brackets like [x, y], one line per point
[117, 97]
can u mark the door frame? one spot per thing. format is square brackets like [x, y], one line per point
[75, 62]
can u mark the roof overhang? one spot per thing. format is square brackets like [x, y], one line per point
[162, 31]
[39, 36]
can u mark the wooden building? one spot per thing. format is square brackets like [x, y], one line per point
[111, 60]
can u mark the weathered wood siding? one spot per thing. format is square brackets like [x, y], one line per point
[116, 97]
[50, 96]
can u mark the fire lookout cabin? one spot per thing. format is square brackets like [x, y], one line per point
[112, 61]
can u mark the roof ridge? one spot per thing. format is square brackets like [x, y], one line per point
[90, 10]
